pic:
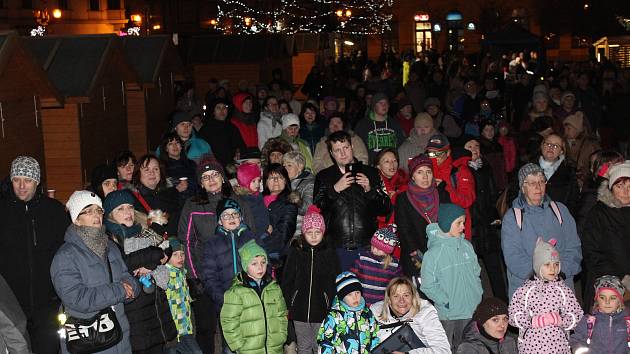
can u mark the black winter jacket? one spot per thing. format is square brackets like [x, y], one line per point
[282, 218]
[308, 281]
[166, 200]
[412, 233]
[562, 186]
[30, 234]
[149, 316]
[224, 139]
[350, 215]
[483, 211]
[605, 241]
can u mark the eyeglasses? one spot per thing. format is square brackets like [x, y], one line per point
[552, 146]
[537, 184]
[210, 176]
[436, 154]
[91, 212]
[230, 216]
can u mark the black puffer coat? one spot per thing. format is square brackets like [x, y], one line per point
[149, 316]
[282, 218]
[605, 241]
[350, 215]
[308, 281]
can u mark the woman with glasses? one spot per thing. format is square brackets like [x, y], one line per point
[88, 271]
[149, 315]
[535, 215]
[283, 211]
[197, 225]
[559, 171]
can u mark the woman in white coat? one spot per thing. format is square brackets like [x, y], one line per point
[402, 303]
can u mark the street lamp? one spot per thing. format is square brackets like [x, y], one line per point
[343, 15]
[42, 17]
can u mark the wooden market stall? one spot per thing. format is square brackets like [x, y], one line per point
[157, 65]
[24, 91]
[92, 74]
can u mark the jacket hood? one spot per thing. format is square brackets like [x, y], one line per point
[238, 100]
[473, 335]
[419, 139]
[241, 191]
[438, 238]
[606, 196]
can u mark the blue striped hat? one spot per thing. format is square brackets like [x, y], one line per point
[347, 282]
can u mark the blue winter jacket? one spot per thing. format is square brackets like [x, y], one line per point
[81, 280]
[450, 275]
[221, 261]
[609, 334]
[538, 221]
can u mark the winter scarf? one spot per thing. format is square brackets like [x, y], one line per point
[398, 182]
[94, 238]
[121, 231]
[424, 200]
[268, 199]
[549, 168]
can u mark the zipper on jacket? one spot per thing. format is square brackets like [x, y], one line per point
[310, 289]
[234, 253]
[262, 303]
[30, 259]
[34, 232]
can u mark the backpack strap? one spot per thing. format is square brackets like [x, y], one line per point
[556, 211]
[518, 216]
[590, 324]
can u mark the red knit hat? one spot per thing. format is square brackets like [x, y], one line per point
[313, 219]
[246, 173]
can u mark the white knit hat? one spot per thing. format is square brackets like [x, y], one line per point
[290, 119]
[79, 200]
[618, 171]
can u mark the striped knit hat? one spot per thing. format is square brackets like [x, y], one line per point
[347, 282]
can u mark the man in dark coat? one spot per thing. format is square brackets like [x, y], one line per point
[223, 137]
[350, 200]
[31, 231]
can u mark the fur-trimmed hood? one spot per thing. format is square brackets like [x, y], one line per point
[606, 196]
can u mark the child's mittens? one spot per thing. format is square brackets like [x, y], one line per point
[546, 319]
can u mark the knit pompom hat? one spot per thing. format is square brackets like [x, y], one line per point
[246, 173]
[79, 200]
[385, 239]
[313, 219]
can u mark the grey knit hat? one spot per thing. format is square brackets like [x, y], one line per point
[25, 166]
[526, 170]
[545, 252]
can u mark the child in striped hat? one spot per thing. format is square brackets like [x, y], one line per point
[376, 265]
[350, 326]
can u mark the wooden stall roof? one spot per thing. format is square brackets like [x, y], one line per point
[13, 47]
[148, 55]
[76, 64]
[613, 40]
[210, 49]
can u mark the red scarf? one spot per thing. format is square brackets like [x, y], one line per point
[397, 184]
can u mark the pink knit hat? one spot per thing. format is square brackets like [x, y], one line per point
[313, 220]
[385, 239]
[246, 173]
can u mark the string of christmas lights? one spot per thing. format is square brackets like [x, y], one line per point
[315, 16]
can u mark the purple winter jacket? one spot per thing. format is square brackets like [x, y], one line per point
[609, 335]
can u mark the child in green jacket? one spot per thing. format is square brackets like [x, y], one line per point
[254, 314]
[450, 272]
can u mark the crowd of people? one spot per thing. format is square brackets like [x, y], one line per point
[449, 199]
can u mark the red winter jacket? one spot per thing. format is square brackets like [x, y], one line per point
[248, 131]
[463, 192]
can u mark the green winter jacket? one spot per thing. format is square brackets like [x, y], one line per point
[254, 317]
[450, 275]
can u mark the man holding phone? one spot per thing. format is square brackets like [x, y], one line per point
[351, 195]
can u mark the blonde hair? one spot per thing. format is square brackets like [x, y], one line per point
[387, 260]
[391, 289]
